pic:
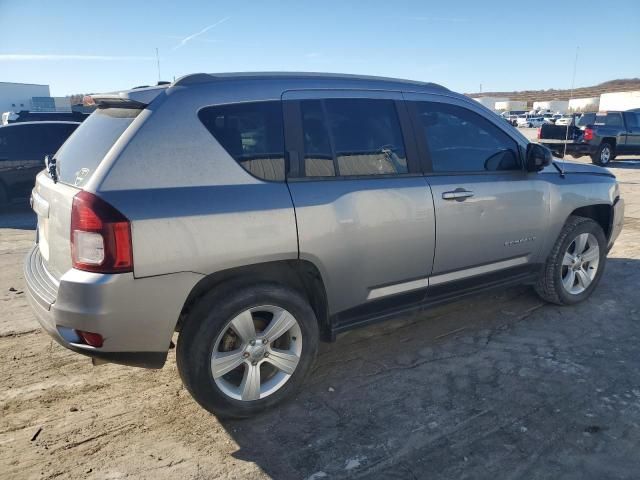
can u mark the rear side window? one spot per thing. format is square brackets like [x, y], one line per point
[633, 119]
[79, 157]
[586, 119]
[609, 119]
[460, 140]
[351, 137]
[252, 133]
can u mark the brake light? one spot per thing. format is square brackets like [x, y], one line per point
[100, 236]
[588, 134]
[539, 133]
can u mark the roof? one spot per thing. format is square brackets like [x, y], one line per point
[56, 122]
[21, 83]
[197, 78]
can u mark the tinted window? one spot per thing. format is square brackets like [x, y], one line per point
[460, 140]
[33, 141]
[610, 119]
[348, 137]
[79, 157]
[252, 133]
[318, 154]
[633, 119]
[586, 119]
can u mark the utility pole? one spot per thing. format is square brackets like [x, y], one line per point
[158, 63]
[480, 88]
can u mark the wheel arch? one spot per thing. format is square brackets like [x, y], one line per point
[300, 275]
[611, 141]
[601, 213]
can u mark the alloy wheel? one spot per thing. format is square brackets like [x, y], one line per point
[605, 155]
[256, 353]
[580, 263]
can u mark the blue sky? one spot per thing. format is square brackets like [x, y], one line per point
[90, 46]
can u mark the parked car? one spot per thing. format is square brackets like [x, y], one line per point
[530, 121]
[565, 120]
[286, 208]
[23, 147]
[601, 136]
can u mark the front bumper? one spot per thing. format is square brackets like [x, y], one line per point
[135, 316]
[617, 221]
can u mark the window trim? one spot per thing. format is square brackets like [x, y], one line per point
[425, 153]
[294, 143]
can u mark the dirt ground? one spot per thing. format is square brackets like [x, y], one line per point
[496, 386]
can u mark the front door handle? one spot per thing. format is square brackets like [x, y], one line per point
[458, 194]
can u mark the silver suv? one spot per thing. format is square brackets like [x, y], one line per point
[256, 214]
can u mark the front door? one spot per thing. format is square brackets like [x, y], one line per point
[490, 213]
[632, 144]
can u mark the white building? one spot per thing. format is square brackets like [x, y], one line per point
[588, 104]
[510, 106]
[620, 100]
[554, 106]
[18, 96]
[490, 102]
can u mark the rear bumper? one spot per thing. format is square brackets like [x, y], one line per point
[136, 317]
[571, 148]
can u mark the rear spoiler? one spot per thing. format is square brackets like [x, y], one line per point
[138, 98]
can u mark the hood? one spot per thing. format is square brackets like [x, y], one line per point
[568, 166]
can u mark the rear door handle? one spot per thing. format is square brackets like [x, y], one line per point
[458, 194]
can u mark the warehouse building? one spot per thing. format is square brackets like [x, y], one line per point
[620, 100]
[17, 97]
[490, 102]
[588, 104]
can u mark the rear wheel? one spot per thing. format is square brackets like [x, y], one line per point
[604, 155]
[245, 349]
[575, 265]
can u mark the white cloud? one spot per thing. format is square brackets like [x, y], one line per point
[19, 57]
[188, 38]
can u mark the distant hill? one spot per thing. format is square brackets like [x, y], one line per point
[621, 85]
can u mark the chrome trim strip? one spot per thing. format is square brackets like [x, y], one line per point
[398, 288]
[470, 272]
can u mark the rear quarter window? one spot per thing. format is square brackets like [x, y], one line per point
[252, 133]
[81, 154]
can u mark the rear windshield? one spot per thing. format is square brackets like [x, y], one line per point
[82, 153]
[586, 119]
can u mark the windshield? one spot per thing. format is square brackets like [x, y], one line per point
[79, 157]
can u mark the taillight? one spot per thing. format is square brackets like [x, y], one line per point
[588, 134]
[539, 133]
[100, 236]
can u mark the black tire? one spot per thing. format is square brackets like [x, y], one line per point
[203, 326]
[600, 157]
[549, 285]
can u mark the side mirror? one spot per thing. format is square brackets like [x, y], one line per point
[538, 157]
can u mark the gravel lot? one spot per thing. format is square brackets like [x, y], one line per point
[496, 386]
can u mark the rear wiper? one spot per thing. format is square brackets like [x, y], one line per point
[50, 164]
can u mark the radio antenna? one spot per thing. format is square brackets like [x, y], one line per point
[158, 64]
[573, 82]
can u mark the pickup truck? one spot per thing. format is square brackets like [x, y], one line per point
[601, 136]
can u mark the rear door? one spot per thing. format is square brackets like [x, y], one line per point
[364, 211]
[490, 213]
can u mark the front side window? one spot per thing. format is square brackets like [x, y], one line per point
[633, 119]
[460, 140]
[351, 137]
[252, 133]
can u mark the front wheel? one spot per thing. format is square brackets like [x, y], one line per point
[245, 349]
[603, 155]
[575, 265]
